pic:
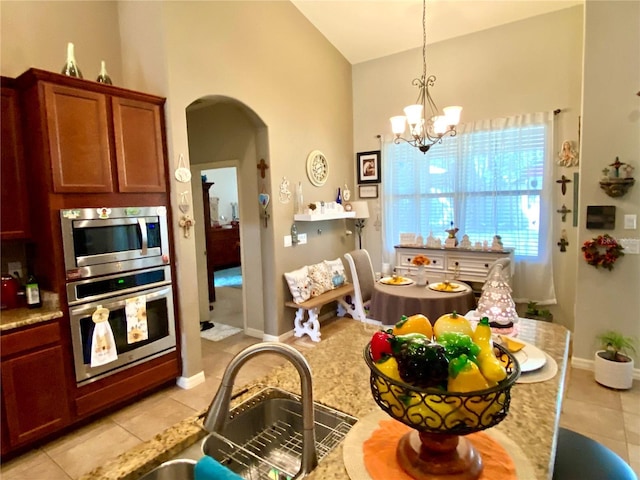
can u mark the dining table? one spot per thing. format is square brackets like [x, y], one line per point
[389, 302]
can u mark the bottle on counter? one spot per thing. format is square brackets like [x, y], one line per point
[34, 300]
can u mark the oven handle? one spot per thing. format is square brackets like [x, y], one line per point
[120, 301]
[143, 232]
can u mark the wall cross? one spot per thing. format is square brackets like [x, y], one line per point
[564, 180]
[564, 210]
[262, 166]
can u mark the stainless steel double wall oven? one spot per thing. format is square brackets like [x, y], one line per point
[114, 255]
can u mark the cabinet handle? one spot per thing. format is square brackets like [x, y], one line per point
[486, 265]
[435, 261]
[456, 264]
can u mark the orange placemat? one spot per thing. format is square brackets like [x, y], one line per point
[379, 454]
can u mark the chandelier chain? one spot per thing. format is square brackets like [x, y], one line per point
[424, 40]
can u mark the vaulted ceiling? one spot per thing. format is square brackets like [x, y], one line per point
[367, 29]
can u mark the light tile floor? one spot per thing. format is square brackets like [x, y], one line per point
[610, 417]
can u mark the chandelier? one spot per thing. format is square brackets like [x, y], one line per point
[426, 125]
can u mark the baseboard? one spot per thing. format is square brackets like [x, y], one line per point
[190, 382]
[585, 364]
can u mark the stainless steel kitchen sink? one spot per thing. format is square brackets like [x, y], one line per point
[181, 469]
[262, 438]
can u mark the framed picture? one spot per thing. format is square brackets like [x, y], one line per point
[368, 191]
[369, 167]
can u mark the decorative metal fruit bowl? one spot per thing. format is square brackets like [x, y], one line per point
[434, 448]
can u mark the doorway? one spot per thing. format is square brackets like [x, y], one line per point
[223, 245]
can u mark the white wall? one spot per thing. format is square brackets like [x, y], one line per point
[610, 128]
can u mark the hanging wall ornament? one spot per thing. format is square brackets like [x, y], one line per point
[186, 222]
[263, 199]
[568, 155]
[182, 173]
[563, 241]
[262, 166]
[564, 180]
[285, 193]
[564, 210]
[183, 202]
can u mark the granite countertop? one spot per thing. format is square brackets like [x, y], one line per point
[21, 317]
[532, 421]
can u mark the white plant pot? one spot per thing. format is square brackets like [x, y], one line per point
[613, 374]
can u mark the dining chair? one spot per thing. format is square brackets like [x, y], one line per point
[363, 279]
[580, 457]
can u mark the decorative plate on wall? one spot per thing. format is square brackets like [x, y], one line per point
[317, 168]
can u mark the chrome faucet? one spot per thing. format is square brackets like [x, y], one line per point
[219, 409]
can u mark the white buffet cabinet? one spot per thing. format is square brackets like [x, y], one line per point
[464, 264]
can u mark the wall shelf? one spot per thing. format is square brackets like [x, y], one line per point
[319, 217]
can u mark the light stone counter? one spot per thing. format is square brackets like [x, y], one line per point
[21, 317]
[341, 380]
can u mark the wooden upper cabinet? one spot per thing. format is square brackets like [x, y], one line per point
[139, 149]
[95, 138]
[78, 132]
[14, 216]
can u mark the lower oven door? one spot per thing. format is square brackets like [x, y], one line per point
[158, 305]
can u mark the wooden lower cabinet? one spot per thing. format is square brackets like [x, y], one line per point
[34, 395]
[37, 403]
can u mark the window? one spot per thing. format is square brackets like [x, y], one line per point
[490, 179]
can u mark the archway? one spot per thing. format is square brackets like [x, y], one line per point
[222, 131]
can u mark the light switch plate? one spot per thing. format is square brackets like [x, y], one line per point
[630, 222]
[630, 245]
[287, 240]
[302, 238]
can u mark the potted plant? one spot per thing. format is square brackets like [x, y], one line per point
[614, 363]
[536, 313]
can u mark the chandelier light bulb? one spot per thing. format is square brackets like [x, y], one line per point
[398, 124]
[439, 124]
[452, 114]
[413, 113]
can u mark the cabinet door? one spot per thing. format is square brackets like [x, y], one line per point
[139, 148]
[77, 124]
[34, 394]
[13, 215]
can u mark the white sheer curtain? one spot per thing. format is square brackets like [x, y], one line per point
[493, 178]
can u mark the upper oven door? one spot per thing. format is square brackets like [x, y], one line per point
[116, 240]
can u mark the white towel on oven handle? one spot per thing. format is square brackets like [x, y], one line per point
[103, 345]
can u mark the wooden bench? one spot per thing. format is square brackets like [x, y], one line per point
[312, 326]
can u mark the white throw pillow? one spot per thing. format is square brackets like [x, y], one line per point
[320, 279]
[299, 284]
[336, 270]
